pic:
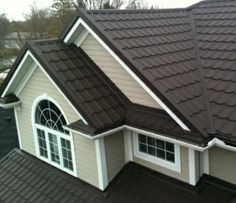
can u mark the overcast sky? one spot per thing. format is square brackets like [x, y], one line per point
[15, 9]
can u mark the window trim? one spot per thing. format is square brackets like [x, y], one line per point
[67, 137]
[176, 166]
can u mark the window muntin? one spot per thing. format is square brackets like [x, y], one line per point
[48, 115]
[156, 148]
[54, 148]
[42, 143]
[66, 154]
[54, 143]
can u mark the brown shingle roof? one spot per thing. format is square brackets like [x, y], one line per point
[186, 56]
[24, 178]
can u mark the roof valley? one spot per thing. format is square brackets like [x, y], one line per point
[210, 126]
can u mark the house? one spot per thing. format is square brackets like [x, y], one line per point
[130, 106]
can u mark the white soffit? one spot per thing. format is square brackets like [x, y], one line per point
[81, 24]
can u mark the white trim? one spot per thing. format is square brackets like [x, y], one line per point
[72, 30]
[17, 128]
[57, 88]
[96, 136]
[82, 37]
[128, 146]
[159, 136]
[101, 163]
[148, 90]
[15, 74]
[46, 131]
[29, 54]
[25, 79]
[192, 167]
[10, 105]
[214, 142]
[176, 166]
[206, 161]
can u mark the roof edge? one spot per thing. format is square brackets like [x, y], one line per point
[184, 118]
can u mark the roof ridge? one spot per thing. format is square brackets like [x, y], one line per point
[211, 128]
[122, 11]
[205, 1]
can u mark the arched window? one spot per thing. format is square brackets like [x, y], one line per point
[54, 143]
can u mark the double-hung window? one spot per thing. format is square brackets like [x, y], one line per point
[54, 144]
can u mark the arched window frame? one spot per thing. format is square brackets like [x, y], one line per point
[59, 135]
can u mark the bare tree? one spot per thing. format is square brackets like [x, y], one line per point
[137, 4]
[36, 22]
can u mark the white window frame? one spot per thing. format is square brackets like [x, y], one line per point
[59, 135]
[176, 166]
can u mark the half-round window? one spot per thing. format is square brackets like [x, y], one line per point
[48, 115]
[54, 144]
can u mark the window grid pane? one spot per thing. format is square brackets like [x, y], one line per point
[66, 154]
[156, 148]
[42, 143]
[48, 115]
[54, 148]
[52, 145]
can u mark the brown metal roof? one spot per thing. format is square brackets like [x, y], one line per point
[24, 178]
[186, 56]
[97, 99]
[82, 82]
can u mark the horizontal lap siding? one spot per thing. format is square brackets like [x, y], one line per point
[116, 73]
[183, 176]
[86, 159]
[115, 154]
[85, 154]
[222, 164]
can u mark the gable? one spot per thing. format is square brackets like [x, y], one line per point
[38, 85]
[118, 75]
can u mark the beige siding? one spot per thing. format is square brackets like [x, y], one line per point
[222, 164]
[116, 73]
[184, 175]
[115, 155]
[84, 150]
[86, 159]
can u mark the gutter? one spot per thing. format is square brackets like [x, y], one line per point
[214, 142]
[10, 105]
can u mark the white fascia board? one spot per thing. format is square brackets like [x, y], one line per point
[16, 73]
[39, 65]
[112, 131]
[27, 77]
[10, 105]
[214, 142]
[146, 88]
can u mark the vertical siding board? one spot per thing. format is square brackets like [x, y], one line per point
[116, 73]
[84, 149]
